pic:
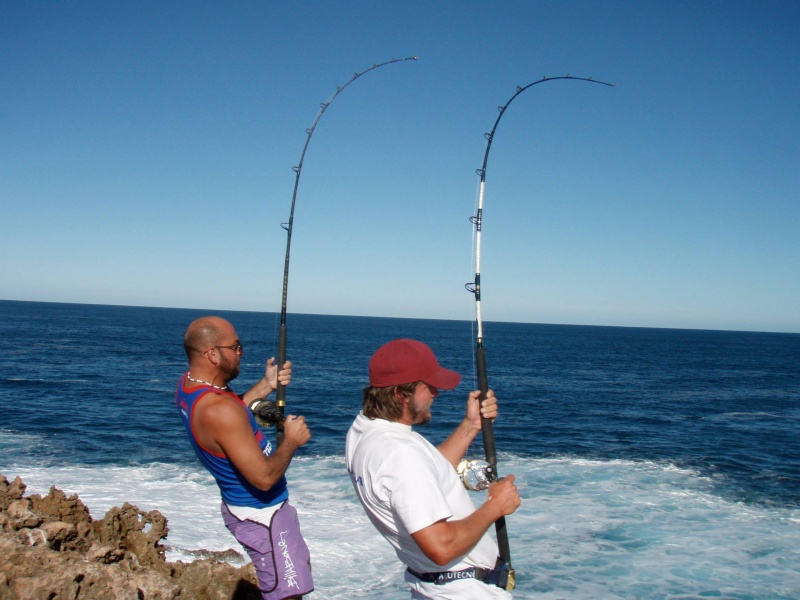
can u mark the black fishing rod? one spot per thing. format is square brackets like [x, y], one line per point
[480, 356]
[269, 413]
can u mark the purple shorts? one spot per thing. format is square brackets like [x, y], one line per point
[279, 552]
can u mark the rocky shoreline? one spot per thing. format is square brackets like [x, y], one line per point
[51, 548]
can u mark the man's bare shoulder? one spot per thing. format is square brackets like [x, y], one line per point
[219, 409]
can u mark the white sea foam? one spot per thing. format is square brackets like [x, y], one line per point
[586, 529]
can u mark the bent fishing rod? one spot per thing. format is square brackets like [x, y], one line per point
[267, 412]
[480, 355]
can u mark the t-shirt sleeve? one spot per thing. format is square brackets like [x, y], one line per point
[415, 492]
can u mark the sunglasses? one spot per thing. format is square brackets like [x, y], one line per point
[237, 347]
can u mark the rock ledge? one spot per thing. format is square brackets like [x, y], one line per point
[50, 547]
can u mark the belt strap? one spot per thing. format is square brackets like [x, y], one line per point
[443, 577]
[501, 575]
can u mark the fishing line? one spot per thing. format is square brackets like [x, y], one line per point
[475, 287]
[280, 392]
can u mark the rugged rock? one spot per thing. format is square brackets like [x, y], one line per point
[51, 548]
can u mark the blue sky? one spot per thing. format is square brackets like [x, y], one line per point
[146, 153]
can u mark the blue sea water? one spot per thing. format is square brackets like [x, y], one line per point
[652, 463]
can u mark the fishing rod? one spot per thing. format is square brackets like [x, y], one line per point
[267, 412]
[480, 356]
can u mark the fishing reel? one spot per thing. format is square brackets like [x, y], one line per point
[266, 412]
[476, 475]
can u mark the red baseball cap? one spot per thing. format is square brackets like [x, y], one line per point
[406, 361]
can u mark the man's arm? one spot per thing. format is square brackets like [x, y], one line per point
[264, 386]
[222, 426]
[455, 447]
[446, 541]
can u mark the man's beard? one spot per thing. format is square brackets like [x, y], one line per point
[229, 369]
[419, 416]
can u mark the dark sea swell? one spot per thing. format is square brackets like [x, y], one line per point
[95, 384]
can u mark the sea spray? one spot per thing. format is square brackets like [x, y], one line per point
[586, 528]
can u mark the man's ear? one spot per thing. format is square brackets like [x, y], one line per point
[211, 353]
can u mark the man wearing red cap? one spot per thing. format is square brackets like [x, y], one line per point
[410, 489]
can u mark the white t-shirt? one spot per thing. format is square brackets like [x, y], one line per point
[405, 484]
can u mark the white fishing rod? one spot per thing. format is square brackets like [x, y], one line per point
[490, 469]
[266, 412]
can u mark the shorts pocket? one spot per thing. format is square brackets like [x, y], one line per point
[254, 536]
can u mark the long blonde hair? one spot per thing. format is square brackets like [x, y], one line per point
[381, 402]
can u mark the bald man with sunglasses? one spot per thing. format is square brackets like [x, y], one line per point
[250, 473]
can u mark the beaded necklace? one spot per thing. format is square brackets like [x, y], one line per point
[190, 378]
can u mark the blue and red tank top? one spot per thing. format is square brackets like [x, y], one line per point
[235, 489]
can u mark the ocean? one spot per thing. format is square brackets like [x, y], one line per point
[652, 463]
